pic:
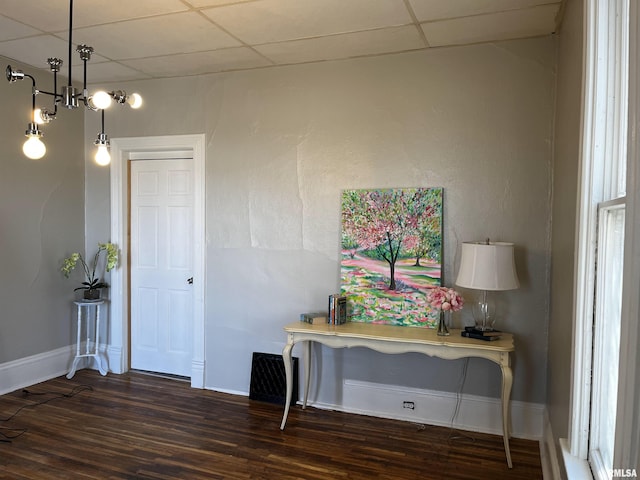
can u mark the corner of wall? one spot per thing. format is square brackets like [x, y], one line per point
[28, 371]
[551, 467]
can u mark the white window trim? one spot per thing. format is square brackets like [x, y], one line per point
[592, 189]
[603, 379]
[594, 84]
[627, 451]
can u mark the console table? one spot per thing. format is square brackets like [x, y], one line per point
[91, 346]
[393, 339]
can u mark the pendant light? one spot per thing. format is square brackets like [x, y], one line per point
[69, 97]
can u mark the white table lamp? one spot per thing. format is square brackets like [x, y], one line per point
[487, 266]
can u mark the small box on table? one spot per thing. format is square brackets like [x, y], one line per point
[314, 318]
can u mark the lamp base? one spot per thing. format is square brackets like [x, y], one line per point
[483, 328]
[484, 313]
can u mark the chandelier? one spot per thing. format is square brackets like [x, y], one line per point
[69, 97]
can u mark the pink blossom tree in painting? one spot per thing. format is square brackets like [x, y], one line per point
[391, 245]
[387, 223]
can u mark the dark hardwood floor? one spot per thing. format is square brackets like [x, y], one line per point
[137, 426]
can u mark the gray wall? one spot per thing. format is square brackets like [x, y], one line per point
[565, 191]
[41, 222]
[283, 142]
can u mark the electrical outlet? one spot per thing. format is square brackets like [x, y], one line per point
[409, 405]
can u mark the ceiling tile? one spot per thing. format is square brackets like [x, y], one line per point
[216, 3]
[108, 72]
[387, 40]
[200, 63]
[492, 27]
[190, 37]
[34, 51]
[53, 15]
[179, 33]
[266, 21]
[427, 10]
[96, 12]
[10, 29]
[49, 16]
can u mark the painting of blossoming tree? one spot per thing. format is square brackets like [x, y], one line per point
[391, 254]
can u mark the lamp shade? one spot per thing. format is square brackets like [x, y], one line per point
[487, 266]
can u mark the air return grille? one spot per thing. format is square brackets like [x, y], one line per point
[268, 380]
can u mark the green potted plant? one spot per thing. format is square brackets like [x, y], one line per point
[93, 282]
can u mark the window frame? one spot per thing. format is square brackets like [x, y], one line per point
[596, 187]
[627, 451]
[591, 191]
[604, 333]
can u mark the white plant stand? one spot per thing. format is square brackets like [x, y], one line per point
[89, 311]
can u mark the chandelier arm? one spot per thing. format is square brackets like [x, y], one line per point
[34, 92]
[55, 92]
[85, 93]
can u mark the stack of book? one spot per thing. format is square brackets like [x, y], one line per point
[487, 336]
[337, 309]
[314, 318]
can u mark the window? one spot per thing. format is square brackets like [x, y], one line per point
[606, 337]
[606, 310]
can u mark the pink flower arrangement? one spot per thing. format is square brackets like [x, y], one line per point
[444, 299]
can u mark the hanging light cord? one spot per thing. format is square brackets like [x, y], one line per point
[70, 37]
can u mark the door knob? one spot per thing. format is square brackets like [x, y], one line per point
[190, 281]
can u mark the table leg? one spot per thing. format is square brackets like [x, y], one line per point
[101, 364]
[307, 371]
[98, 356]
[286, 356]
[74, 365]
[79, 331]
[87, 320]
[507, 380]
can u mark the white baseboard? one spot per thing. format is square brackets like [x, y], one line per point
[240, 393]
[114, 357]
[548, 452]
[28, 371]
[197, 374]
[475, 413]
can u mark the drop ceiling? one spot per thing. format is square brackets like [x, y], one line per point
[143, 39]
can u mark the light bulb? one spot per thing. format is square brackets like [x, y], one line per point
[102, 156]
[101, 100]
[34, 148]
[37, 116]
[42, 116]
[135, 100]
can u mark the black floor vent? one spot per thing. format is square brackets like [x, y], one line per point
[268, 380]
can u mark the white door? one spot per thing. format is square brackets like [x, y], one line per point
[161, 264]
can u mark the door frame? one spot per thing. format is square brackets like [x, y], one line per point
[121, 150]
